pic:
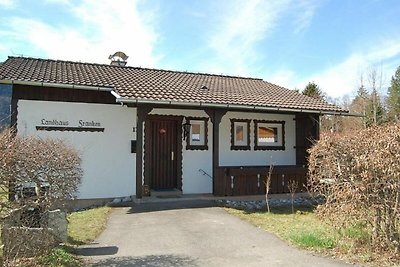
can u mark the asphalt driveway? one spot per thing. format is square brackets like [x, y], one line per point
[190, 234]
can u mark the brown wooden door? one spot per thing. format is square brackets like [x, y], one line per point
[161, 152]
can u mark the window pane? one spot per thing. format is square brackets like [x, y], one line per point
[195, 132]
[267, 134]
[239, 133]
[5, 103]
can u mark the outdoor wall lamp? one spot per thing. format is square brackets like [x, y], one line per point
[186, 128]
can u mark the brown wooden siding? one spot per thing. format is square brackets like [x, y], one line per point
[238, 181]
[61, 94]
[307, 131]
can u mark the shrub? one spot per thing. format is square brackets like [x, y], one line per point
[37, 172]
[36, 175]
[358, 174]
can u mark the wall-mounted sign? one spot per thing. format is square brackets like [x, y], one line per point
[65, 125]
[54, 122]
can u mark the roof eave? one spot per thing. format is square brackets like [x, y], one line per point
[226, 106]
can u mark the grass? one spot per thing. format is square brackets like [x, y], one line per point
[305, 230]
[83, 227]
[302, 229]
[60, 257]
[312, 240]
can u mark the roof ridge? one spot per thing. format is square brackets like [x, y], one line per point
[141, 68]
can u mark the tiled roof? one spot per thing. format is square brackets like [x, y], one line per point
[144, 84]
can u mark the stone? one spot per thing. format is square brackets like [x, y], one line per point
[261, 204]
[57, 221]
[13, 218]
[126, 199]
[116, 200]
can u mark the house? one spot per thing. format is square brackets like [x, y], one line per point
[142, 130]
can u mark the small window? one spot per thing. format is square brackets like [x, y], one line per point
[240, 134]
[269, 135]
[196, 131]
[197, 139]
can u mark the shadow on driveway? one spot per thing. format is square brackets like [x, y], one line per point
[150, 260]
[171, 205]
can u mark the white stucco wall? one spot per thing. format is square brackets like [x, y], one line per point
[193, 181]
[251, 157]
[108, 164]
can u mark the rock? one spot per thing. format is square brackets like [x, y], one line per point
[57, 220]
[261, 204]
[116, 200]
[126, 199]
[13, 218]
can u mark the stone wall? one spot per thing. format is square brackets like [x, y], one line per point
[21, 240]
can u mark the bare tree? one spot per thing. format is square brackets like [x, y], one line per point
[292, 186]
[375, 80]
[267, 183]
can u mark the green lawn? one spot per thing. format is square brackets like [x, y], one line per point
[305, 230]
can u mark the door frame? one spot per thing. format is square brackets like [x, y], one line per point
[147, 140]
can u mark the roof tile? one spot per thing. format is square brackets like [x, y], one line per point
[161, 85]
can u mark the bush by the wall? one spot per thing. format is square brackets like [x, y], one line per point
[36, 175]
[359, 176]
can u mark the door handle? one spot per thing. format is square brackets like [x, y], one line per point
[172, 155]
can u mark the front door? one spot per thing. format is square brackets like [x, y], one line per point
[162, 153]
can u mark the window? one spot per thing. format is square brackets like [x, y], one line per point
[196, 131]
[240, 134]
[269, 135]
[197, 139]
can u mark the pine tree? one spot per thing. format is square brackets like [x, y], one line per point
[369, 105]
[393, 98]
[313, 90]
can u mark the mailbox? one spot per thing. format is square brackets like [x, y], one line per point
[133, 146]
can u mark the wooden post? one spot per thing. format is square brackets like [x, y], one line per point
[142, 112]
[216, 117]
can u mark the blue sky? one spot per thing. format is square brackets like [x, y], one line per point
[285, 42]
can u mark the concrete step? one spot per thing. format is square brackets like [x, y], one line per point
[166, 193]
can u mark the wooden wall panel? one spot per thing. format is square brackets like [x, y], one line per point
[61, 94]
[245, 180]
[307, 131]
